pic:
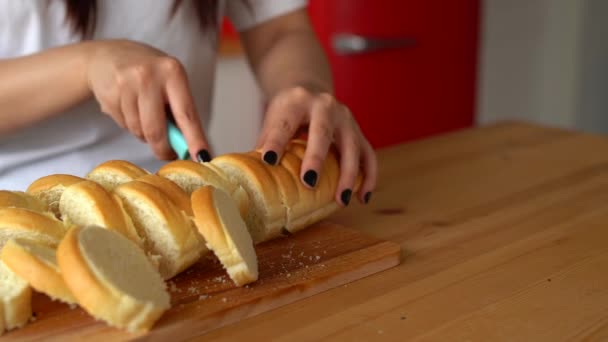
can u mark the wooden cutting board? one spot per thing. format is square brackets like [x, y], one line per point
[203, 298]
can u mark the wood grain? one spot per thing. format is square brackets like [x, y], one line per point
[204, 298]
[504, 232]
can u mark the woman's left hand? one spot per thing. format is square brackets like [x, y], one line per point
[328, 121]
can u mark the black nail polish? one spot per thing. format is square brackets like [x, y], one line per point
[270, 157]
[345, 196]
[367, 197]
[203, 156]
[310, 177]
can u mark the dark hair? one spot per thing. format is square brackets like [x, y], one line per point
[82, 14]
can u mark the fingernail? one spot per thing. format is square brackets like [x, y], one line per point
[345, 196]
[270, 157]
[367, 197]
[310, 177]
[203, 156]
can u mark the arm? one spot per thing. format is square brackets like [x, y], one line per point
[38, 86]
[285, 53]
[132, 83]
[294, 74]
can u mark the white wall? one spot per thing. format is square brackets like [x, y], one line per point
[544, 61]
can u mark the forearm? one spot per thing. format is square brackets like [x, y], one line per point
[41, 85]
[288, 56]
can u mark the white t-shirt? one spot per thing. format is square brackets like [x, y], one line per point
[77, 140]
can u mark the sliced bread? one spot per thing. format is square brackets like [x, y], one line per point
[190, 176]
[288, 189]
[21, 199]
[239, 194]
[266, 215]
[48, 189]
[176, 194]
[111, 278]
[30, 225]
[315, 204]
[218, 220]
[112, 173]
[15, 300]
[169, 232]
[37, 264]
[88, 203]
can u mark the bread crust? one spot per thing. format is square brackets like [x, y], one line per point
[272, 212]
[198, 171]
[21, 199]
[49, 188]
[179, 226]
[37, 272]
[118, 167]
[98, 299]
[106, 207]
[176, 194]
[43, 227]
[210, 225]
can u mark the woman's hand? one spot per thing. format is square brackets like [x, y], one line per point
[328, 121]
[133, 83]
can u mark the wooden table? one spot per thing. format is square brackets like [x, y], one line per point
[504, 232]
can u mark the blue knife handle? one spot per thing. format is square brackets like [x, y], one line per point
[177, 141]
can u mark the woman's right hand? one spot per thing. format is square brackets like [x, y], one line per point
[133, 82]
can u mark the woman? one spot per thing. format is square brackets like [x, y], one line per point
[66, 63]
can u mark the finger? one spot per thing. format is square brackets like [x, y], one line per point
[321, 132]
[152, 120]
[370, 171]
[347, 143]
[283, 119]
[113, 111]
[128, 102]
[184, 111]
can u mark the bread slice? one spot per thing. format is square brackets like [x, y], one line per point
[48, 189]
[112, 173]
[111, 278]
[191, 175]
[169, 232]
[176, 194]
[239, 194]
[218, 220]
[266, 215]
[21, 199]
[88, 203]
[30, 225]
[37, 264]
[15, 300]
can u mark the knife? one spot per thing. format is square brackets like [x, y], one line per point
[177, 141]
[175, 136]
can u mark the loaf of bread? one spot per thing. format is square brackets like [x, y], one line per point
[112, 278]
[121, 230]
